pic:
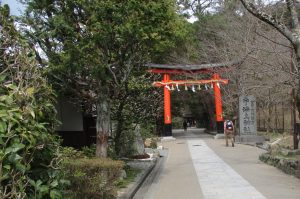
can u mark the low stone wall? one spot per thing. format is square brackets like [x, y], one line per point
[288, 165]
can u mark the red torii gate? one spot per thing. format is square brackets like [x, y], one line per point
[168, 84]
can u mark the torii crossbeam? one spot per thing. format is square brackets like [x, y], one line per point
[168, 84]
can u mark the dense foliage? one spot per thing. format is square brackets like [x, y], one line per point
[93, 46]
[137, 103]
[29, 156]
[92, 178]
[96, 44]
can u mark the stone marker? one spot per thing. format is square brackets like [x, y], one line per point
[247, 115]
[138, 141]
[247, 121]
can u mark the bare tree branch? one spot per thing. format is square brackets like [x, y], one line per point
[281, 27]
[271, 40]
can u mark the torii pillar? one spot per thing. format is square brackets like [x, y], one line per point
[167, 108]
[218, 103]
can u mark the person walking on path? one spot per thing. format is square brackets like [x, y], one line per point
[184, 125]
[229, 132]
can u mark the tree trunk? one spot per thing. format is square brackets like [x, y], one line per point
[102, 127]
[269, 113]
[297, 96]
[297, 52]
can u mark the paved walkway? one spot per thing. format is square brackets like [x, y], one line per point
[198, 166]
[218, 179]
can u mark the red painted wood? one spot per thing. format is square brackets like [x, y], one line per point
[218, 98]
[167, 101]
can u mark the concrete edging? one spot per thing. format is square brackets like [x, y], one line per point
[129, 194]
[285, 164]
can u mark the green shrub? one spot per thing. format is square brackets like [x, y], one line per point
[126, 143]
[147, 130]
[71, 153]
[89, 151]
[92, 178]
[177, 123]
[153, 143]
[85, 152]
[29, 150]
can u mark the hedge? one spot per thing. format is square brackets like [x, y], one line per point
[92, 178]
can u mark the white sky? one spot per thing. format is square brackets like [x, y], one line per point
[16, 8]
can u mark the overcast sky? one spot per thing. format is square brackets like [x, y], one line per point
[16, 8]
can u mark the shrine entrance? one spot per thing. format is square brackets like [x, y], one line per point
[170, 84]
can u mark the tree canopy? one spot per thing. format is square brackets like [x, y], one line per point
[92, 46]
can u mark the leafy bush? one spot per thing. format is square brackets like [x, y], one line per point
[71, 153]
[29, 152]
[92, 178]
[153, 143]
[125, 143]
[177, 123]
[89, 151]
[147, 130]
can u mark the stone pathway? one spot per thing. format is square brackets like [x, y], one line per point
[200, 167]
[218, 179]
[177, 178]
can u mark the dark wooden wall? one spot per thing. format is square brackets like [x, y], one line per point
[79, 139]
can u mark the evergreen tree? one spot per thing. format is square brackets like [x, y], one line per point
[92, 46]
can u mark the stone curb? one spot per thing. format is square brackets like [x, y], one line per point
[288, 166]
[211, 132]
[129, 194]
[260, 147]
